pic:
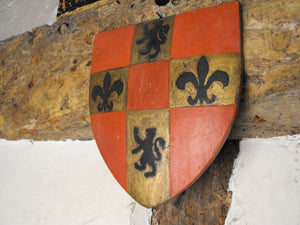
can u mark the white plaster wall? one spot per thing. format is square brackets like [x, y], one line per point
[56, 182]
[18, 16]
[67, 182]
[62, 182]
[265, 183]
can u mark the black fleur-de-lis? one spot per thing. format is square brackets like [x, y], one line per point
[105, 92]
[199, 84]
[154, 38]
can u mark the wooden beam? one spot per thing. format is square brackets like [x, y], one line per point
[44, 74]
[207, 200]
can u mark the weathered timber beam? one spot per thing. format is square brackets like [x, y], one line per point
[207, 201]
[44, 74]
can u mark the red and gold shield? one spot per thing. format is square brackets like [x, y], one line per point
[163, 96]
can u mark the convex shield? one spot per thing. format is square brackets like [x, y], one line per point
[163, 97]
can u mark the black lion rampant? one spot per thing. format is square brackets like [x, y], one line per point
[153, 38]
[151, 152]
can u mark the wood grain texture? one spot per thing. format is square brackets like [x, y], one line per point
[207, 200]
[44, 74]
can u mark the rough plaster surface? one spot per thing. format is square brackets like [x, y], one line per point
[63, 182]
[266, 182]
[16, 17]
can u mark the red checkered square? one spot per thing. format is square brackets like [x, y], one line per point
[148, 86]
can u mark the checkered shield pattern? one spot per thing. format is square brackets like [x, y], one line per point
[163, 97]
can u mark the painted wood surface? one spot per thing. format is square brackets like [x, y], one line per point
[175, 109]
[45, 73]
[206, 201]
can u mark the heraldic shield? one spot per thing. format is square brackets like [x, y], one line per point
[163, 97]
